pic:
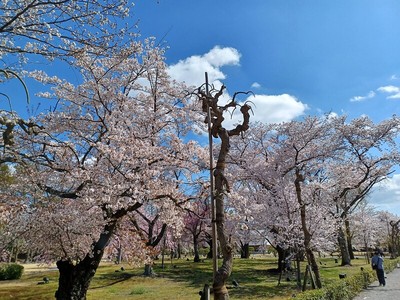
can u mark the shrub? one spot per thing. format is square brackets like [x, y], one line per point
[347, 288]
[11, 271]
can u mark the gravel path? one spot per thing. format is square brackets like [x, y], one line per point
[389, 292]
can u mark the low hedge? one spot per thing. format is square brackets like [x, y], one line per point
[347, 288]
[11, 271]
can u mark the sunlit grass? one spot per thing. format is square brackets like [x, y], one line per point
[180, 279]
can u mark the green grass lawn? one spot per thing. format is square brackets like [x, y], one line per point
[180, 279]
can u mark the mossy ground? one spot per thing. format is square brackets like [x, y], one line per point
[180, 279]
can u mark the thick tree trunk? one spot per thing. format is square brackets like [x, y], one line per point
[344, 250]
[74, 280]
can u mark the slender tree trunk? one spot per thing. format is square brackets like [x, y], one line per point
[179, 250]
[210, 252]
[119, 254]
[314, 266]
[10, 257]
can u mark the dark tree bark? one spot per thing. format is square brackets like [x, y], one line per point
[281, 258]
[179, 251]
[75, 279]
[244, 250]
[208, 240]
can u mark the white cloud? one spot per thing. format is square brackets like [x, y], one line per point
[267, 108]
[370, 95]
[386, 195]
[394, 77]
[270, 109]
[390, 89]
[219, 57]
[256, 85]
[192, 69]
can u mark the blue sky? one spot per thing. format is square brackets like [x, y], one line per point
[332, 56]
[298, 57]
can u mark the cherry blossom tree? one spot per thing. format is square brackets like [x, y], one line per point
[366, 228]
[56, 31]
[196, 221]
[286, 163]
[61, 28]
[150, 222]
[109, 149]
[368, 156]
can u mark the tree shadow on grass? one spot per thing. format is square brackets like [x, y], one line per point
[252, 278]
[112, 278]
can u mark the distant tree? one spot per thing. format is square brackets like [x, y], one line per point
[150, 222]
[196, 221]
[366, 227]
[284, 164]
[368, 155]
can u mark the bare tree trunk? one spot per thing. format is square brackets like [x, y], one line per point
[208, 240]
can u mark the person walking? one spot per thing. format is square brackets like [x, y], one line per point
[377, 265]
